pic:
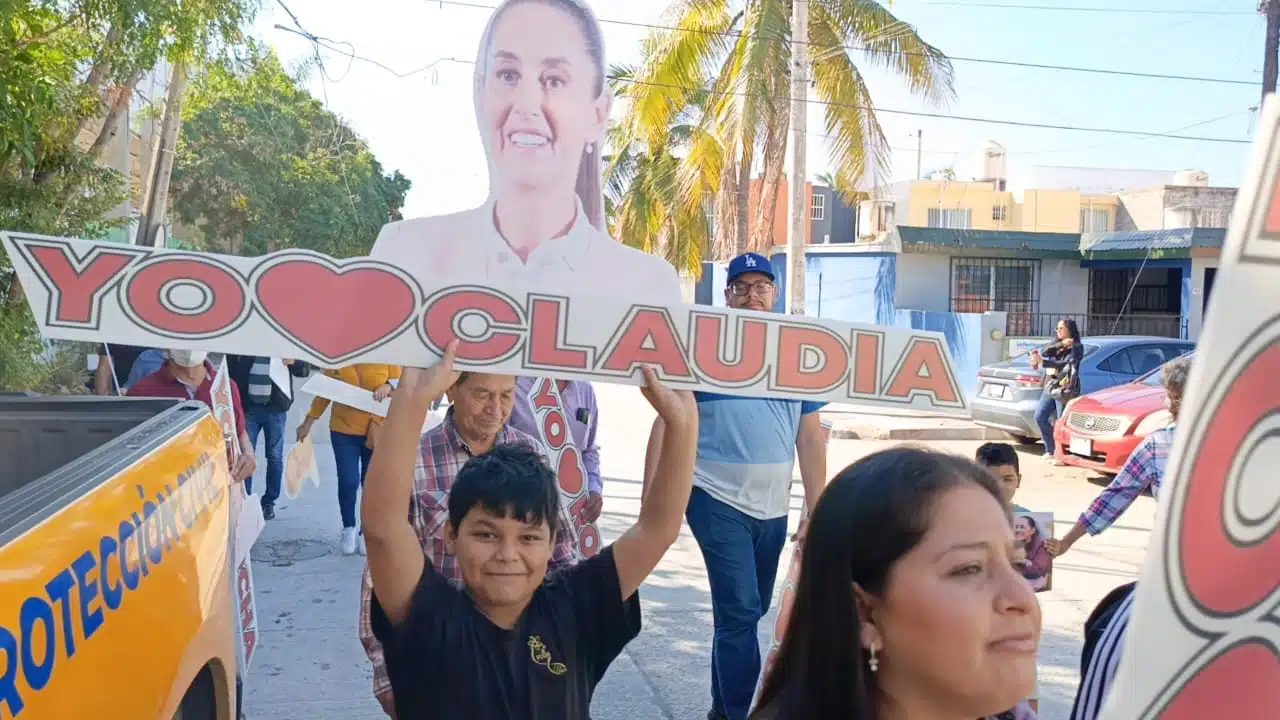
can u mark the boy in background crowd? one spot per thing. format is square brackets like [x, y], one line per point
[1002, 460]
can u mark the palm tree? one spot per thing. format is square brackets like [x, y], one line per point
[844, 187]
[737, 53]
[653, 202]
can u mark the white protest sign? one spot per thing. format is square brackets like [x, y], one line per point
[221, 393]
[347, 394]
[299, 465]
[279, 374]
[246, 518]
[332, 313]
[1204, 641]
[247, 628]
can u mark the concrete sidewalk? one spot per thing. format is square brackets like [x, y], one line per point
[310, 664]
[858, 422]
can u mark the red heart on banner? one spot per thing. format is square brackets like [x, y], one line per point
[1242, 682]
[336, 311]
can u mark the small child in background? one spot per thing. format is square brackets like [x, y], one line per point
[1002, 460]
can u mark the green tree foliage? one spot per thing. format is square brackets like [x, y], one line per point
[732, 60]
[68, 69]
[262, 165]
[655, 201]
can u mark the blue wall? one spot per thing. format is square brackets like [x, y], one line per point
[844, 222]
[853, 288]
[963, 332]
[860, 288]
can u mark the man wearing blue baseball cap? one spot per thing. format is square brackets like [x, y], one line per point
[747, 448]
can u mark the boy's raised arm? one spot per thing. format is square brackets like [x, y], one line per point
[663, 504]
[396, 560]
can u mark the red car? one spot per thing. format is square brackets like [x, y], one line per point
[1099, 431]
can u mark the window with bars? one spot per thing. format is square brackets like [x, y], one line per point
[1206, 218]
[952, 218]
[998, 213]
[818, 207]
[997, 284]
[1095, 221]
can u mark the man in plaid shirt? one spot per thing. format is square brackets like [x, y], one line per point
[1144, 468]
[475, 424]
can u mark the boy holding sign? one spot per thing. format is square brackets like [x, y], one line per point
[513, 643]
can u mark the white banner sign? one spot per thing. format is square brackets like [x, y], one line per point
[332, 313]
[1204, 640]
[346, 394]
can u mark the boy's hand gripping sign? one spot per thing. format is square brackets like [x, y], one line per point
[332, 313]
[1205, 635]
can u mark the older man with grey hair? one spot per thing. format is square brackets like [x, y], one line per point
[1144, 468]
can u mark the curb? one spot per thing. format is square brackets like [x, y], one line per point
[953, 433]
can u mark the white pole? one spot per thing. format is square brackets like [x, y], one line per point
[799, 227]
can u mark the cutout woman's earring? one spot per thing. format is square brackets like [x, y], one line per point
[873, 662]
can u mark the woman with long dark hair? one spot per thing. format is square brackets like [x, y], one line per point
[542, 104]
[1061, 362]
[909, 604]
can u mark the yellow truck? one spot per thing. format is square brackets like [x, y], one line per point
[117, 598]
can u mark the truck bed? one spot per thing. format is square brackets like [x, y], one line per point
[52, 444]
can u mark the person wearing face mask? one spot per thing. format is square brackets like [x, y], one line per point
[187, 375]
[741, 496]
[542, 106]
[908, 603]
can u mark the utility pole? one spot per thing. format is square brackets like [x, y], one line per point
[1270, 8]
[919, 150]
[799, 176]
[157, 197]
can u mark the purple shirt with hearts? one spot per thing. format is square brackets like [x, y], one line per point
[579, 400]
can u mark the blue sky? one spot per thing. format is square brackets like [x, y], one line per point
[424, 125]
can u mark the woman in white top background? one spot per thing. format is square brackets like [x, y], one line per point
[542, 105]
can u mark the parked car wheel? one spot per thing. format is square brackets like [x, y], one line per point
[1024, 439]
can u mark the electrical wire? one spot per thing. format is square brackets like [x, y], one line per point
[961, 118]
[908, 113]
[860, 48]
[1093, 9]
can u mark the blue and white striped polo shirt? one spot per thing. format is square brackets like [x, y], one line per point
[747, 450]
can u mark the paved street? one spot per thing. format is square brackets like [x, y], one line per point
[310, 664]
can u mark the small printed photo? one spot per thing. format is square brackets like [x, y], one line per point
[1031, 530]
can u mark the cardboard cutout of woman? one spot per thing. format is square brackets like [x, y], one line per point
[542, 105]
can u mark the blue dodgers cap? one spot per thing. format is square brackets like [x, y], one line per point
[749, 263]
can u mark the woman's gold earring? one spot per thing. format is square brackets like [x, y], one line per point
[873, 662]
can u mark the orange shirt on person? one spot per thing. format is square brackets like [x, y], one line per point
[345, 419]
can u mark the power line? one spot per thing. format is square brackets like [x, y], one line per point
[1076, 148]
[943, 116]
[1070, 8]
[873, 51]
[908, 113]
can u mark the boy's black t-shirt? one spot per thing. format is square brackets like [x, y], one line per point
[448, 661]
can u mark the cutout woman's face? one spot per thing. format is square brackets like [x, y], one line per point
[958, 626]
[1023, 529]
[538, 104]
